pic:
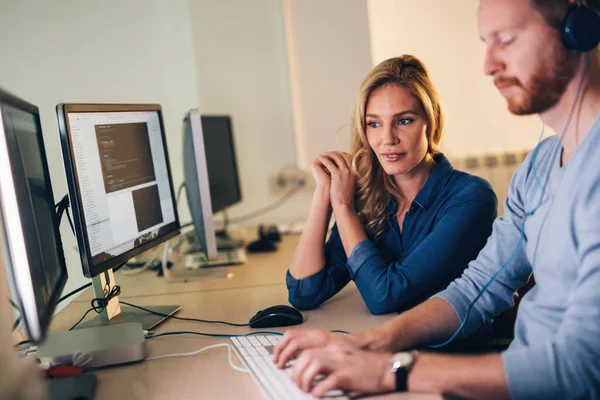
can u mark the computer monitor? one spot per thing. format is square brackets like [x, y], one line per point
[221, 161]
[32, 245]
[120, 189]
[197, 183]
[119, 179]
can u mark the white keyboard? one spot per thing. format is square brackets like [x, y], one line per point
[256, 352]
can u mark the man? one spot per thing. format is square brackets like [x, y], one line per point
[551, 227]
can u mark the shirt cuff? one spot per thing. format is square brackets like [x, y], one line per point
[360, 255]
[307, 287]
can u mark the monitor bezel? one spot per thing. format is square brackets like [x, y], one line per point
[193, 126]
[62, 111]
[37, 326]
[227, 118]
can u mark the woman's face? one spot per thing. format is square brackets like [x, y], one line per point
[396, 128]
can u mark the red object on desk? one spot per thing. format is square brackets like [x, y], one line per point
[63, 371]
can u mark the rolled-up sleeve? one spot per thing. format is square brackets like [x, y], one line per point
[312, 291]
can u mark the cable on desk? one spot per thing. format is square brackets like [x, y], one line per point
[193, 353]
[81, 319]
[219, 335]
[182, 318]
[99, 304]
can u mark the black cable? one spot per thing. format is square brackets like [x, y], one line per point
[182, 318]
[84, 315]
[16, 307]
[99, 304]
[70, 220]
[220, 335]
[79, 289]
[64, 201]
[179, 190]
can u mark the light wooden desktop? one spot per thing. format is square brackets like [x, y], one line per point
[253, 286]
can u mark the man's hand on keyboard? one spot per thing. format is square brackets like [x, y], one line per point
[296, 340]
[344, 367]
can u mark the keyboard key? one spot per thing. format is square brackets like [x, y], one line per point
[262, 351]
[254, 341]
[244, 341]
[263, 340]
[252, 351]
[236, 341]
[273, 339]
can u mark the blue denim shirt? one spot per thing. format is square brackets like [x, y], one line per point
[445, 227]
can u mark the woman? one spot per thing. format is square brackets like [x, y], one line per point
[407, 223]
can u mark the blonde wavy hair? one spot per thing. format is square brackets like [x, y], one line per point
[374, 186]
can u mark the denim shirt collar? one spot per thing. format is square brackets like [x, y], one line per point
[433, 186]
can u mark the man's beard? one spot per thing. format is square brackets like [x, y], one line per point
[547, 85]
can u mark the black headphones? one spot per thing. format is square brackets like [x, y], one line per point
[581, 28]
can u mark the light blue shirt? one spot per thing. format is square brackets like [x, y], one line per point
[556, 351]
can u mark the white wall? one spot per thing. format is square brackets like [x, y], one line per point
[90, 51]
[443, 34]
[329, 55]
[242, 71]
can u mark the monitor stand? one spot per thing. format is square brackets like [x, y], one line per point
[116, 313]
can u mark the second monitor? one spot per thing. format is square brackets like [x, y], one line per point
[212, 181]
[120, 189]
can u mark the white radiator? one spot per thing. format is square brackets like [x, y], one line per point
[497, 169]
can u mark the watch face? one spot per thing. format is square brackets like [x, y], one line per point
[401, 360]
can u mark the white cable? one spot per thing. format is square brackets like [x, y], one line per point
[193, 353]
[81, 359]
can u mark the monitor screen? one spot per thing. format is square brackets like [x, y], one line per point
[221, 162]
[119, 178]
[33, 245]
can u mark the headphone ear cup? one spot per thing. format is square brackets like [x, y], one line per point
[581, 28]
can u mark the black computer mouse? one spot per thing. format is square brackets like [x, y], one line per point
[261, 246]
[276, 316]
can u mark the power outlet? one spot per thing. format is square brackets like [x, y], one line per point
[286, 179]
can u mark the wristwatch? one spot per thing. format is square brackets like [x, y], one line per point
[400, 364]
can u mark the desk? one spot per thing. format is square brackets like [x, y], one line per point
[253, 286]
